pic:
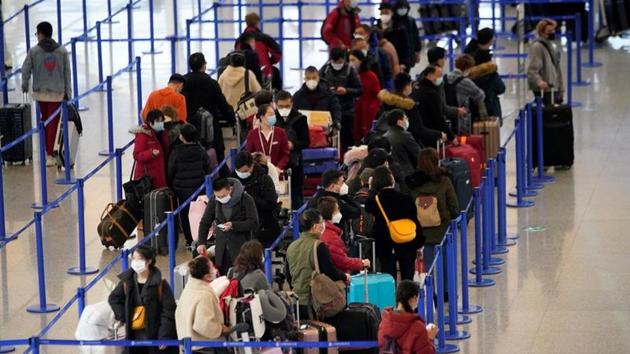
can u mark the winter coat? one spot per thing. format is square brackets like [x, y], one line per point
[320, 99]
[277, 149]
[419, 184]
[397, 206]
[198, 315]
[268, 50]
[346, 77]
[399, 38]
[407, 329]
[488, 79]
[166, 97]
[296, 127]
[146, 141]
[367, 106]
[49, 64]
[232, 83]
[420, 132]
[338, 251]
[251, 60]
[188, 166]
[414, 45]
[431, 108]
[542, 66]
[159, 314]
[390, 50]
[240, 210]
[339, 26]
[261, 188]
[405, 149]
[467, 92]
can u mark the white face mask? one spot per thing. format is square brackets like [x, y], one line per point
[439, 80]
[336, 218]
[357, 36]
[284, 112]
[337, 66]
[243, 175]
[402, 11]
[406, 124]
[343, 190]
[364, 51]
[312, 84]
[386, 18]
[224, 200]
[138, 266]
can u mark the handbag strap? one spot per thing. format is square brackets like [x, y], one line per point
[133, 169]
[315, 260]
[378, 202]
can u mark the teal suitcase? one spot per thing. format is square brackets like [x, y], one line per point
[380, 289]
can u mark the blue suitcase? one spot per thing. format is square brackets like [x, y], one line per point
[319, 168]
[320, 154]
[381, 289]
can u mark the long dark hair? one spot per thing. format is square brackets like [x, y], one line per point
[148, 255]
[405, 291]
[382, 178]
[428, 162]
[249, 257]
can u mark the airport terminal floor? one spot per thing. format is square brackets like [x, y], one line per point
[563, 288]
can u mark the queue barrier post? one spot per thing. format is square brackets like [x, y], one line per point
[451, 270]
[208, 183]
[109, 20]
[99, 54]
[570, 101]
[27, 27]
[520, 202]
[531, 184]
[34, 345]
[173, 41]
[129, 32]
[188, 49]
[479, 281]
[59, 26]
[3, 230]
[5, 88]
[495, 247]
[119, 181]
[488, 219]
[139, 88]
[175, 23]
[75, 76]
[541, 177]
[268, 270]
[43, 179]
[295, 223]
[578, 49]
[67, 163]
[80, 300]
[466, 307]
[152, 50]
[591, 37]
[421, 307]
[187, 346]
[442, 346]
[502, 236]
[82, 269]
[124, 260]
[43, 306]
[428, 281]
[110, 119]
[172, 242]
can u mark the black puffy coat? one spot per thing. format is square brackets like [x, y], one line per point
[405, 149]
[187, 168]
[159, 315]
[346, 77]
[320, 99]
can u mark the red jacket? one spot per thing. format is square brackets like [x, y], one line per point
[367, 105]
[256, 142]
[408, 330]
[155, 166]
[339, 27]
[268, 50]
[337, 248]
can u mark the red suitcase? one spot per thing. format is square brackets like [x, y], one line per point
[471, 156]
[478, 143]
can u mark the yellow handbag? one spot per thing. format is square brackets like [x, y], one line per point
[401, 231]
[137, 320]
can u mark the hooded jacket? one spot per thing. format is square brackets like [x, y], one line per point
[320, 99]
[146, 141]
[49, 64]
[419, 184]
[339, 26]
[467, 92]
[163, 97]
[486, 77]
[240, 210]
[346, 77]
[407, 329]
[544, 66]
[188, 166]
[232, 83]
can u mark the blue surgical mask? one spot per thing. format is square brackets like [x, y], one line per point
[439, 80]
[158, 126]
[271, 120]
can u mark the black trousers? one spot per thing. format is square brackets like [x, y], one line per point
[406, 261]
[297, 186]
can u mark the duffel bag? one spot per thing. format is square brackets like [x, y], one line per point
[117, 223]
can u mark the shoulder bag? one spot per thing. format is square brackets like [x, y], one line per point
[402, 230]
[428, 213]
[328, 297]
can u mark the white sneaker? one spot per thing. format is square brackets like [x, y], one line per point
[51, 161]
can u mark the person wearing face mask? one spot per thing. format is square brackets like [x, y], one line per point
[468, 94]
[404, 326]
[397, 35]
[339, 25]
[333, 238]
[234, 212]
[188, 166]
[544, 71]
[259, 186]
[299, 264]
[150, 149]
[334, 185]
[198, 315]
[437, 57]
[170, 95]
[404, 146]
[344, 82]
[248, 267]
[396, 206]
[401, 98]
[367, 106]
[430, 103]
[378, 59]
[268, 139]
[142, 293]
[361, 44]
[402, 20]
[296, 126]
[316, 96]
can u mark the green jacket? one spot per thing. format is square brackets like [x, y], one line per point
[420, 183]
[301, 265]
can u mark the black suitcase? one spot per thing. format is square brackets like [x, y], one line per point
[156, 204]
[460, 177]
[117, 223]
[359, 322]
[557, 135]
[15, 120]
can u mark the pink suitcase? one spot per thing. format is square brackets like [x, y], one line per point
[315, 331]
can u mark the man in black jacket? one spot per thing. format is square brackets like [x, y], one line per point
[405, 149]
[408, 23]
[334, 185]
[201, 90]
[316, 96]
[260, 186]
[437, 57]
[344, 81]
[296, 127]
[431, 109]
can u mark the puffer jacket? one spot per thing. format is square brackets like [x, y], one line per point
[486, 77]
[338, 251]
[407, 329]
[188, 166]
[146, 141]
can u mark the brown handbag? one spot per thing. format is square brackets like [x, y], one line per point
[328, 297]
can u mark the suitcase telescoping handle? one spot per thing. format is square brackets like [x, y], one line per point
[441, 147]
[361, 240]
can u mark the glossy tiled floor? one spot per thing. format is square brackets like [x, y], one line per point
[562, 290]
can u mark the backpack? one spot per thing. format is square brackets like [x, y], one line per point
[321, 30]
[362, 225]
[451, 91]
[205, 125]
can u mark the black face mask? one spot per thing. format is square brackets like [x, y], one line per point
[551, 36]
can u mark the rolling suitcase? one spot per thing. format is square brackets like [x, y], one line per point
[359, 322]
[156, 204]
[478, 143]
[15, 120]
[460, 177]
[558, 136]
[181, 278]
[378, 289]
[471, 156]
[491, 133]
[316, 331]
[74, 132]
[117, 224]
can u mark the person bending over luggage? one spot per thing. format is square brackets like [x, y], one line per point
[259, 186]
[300, 264]
[402, 327]
[315, 95]
[198, 315]
[295, 125]
[188, 166]
[236, 218]
[232, 80]
[396, 206]
[268, 139]
[334, 185]
[248, 267]
[544, 72]
[405, 149]
[332, 237]
[432, 180]
[367, 106]
[144, 303]
[150, 149]
[468, 95]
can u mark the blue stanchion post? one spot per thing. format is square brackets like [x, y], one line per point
[34, 345]
[421, 308]
[502, 237]
[188, 50]
[520, 202]
[462, 34]
[59, 25]
[451, 271]
[451, 58]
[170, 219]
[466, 307]
[139, 88]
[75, 76]
[578, 53]
[233, 153]
[541, 177]
[187, 346]
[208, 183]
[173, 41]
[531, 184]
[67, 163]
[84, 9]
[119, 181]
[152, 50]
[217, 57]
[129, 33]
[109, 19]
[3, 230]
[27, 27]
[489, 216]
[268, 271]
[110, 119]
[43, 306]
[175, 23]
[495, 248]
[82, 269]
[442, 346]
[124, 260]
[295, 222]
[591, 37]
[43, 179]
[301, 32]
[80, 300]
[99, 53]
[570, 101]
[3, 77]
[479, 281]
[428, 281]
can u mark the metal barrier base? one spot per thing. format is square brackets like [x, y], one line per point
[493, 261]
[500, 249]
[457, 335]
[46, 309]
[593, 64]
[484, 283]
[447, 348]
[78, 271]
[523, 204]
[489, 271]
[513, 237]
[544, 179]
[534, 186]
[7, 349]
[471, 310]
[508, 243]
[461, 319]
[526, 193]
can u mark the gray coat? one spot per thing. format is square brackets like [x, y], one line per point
[543, 67]
[49, 64]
